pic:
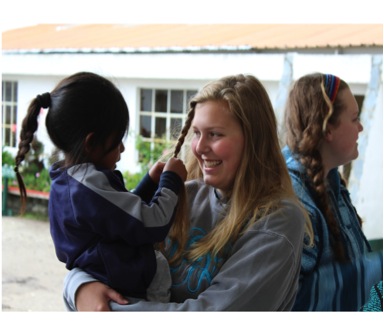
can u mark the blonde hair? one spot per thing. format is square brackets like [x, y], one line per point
[262, 180]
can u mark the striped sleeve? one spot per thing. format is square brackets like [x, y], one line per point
[339, 286]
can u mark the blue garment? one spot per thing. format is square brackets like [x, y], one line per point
[99, 226]
[327, 285]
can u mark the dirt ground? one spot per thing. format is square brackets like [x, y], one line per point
[32, 276]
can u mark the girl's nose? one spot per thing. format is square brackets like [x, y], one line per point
[202, 146]
[360, 127]
[122, 147]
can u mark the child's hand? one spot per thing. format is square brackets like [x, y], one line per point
[156, 171]
[176, 165]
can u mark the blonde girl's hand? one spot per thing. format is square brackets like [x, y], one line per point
[95, 296]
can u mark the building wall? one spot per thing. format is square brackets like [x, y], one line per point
[38, 73]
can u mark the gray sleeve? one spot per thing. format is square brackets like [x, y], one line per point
[261, 274]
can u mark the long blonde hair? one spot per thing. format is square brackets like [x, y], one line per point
[262, 180]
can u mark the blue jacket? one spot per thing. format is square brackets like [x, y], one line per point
[327, 285]
[99, 226]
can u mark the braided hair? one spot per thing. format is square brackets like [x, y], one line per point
[313, 103]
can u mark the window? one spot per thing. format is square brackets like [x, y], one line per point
[162, 115]
[9, 113]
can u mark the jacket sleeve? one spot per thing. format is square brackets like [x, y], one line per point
[146, 189]
[124, 215]
[261, 275]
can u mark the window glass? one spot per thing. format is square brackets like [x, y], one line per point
[176, 101]
[161, 101]
[160, 127]
[175, 128]
[146, 100]
[145, 126]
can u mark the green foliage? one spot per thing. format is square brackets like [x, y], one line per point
[35, 175]
[150, 152]
[7, 158]
[38, 181]
[132, 180]
[36, 216]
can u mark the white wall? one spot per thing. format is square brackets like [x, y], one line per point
[366, 180]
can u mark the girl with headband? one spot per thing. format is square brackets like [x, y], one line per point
[322, 127]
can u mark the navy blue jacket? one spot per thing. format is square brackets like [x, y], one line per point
[99, 226]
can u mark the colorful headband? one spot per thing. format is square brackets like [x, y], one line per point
[331, 85]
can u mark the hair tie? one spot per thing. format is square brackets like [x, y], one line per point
[331, 85]
[44, 100]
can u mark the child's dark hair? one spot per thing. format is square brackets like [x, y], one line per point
[80, 104]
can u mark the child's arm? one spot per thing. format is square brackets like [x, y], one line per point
[148, 185]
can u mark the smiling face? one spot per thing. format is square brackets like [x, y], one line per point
[340, 145]
[218, 143]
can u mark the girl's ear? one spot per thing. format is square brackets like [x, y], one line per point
[89, 147]
[329, 133]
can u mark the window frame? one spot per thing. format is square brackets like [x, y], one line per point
[9, 129]
[169, 137]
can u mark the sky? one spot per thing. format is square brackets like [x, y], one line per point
[21, 13]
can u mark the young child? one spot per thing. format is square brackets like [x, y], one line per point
[96, 224]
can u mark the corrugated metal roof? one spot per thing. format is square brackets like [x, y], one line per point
[192, 37]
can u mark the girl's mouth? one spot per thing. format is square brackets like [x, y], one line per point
[212, 163]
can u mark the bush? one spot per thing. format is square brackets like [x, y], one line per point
[35, 175]
[150, 152]
[7, 158]
[39, 181]
[132, 180]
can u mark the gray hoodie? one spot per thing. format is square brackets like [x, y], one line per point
[259, 273]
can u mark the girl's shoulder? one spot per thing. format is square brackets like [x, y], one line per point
[287, 216]
[95, 178]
